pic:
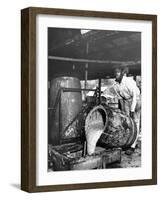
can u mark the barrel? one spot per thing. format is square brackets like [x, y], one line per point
[64, 106]
[109, 127]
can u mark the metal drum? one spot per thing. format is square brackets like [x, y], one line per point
[117, 129]
[64, 106]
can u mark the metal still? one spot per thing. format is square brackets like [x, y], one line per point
[64, 106]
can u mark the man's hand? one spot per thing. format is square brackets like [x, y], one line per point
[132, 114]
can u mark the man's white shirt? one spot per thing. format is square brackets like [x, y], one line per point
[128, 90]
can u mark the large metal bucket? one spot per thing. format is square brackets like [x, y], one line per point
[109, 127]
[64, 107]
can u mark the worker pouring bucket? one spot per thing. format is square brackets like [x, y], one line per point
[109, 127]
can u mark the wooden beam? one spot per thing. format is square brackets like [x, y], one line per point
[83, 60]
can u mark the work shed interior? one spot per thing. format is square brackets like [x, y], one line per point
[82, 97]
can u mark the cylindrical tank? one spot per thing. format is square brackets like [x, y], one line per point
[109, 127]
[64, 107]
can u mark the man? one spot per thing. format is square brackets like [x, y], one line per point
[130, 99]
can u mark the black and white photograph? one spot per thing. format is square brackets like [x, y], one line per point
[94, 99]
[89, 99]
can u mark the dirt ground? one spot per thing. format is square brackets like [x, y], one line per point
[128, 161]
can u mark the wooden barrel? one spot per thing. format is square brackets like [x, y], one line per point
[64, 107]
[110, 127]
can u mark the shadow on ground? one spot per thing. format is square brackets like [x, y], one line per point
[15, 185]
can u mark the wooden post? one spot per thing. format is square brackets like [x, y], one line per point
[60, 117]
[86, 76]
[99, 86]
[86, 70]
[85, 93]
